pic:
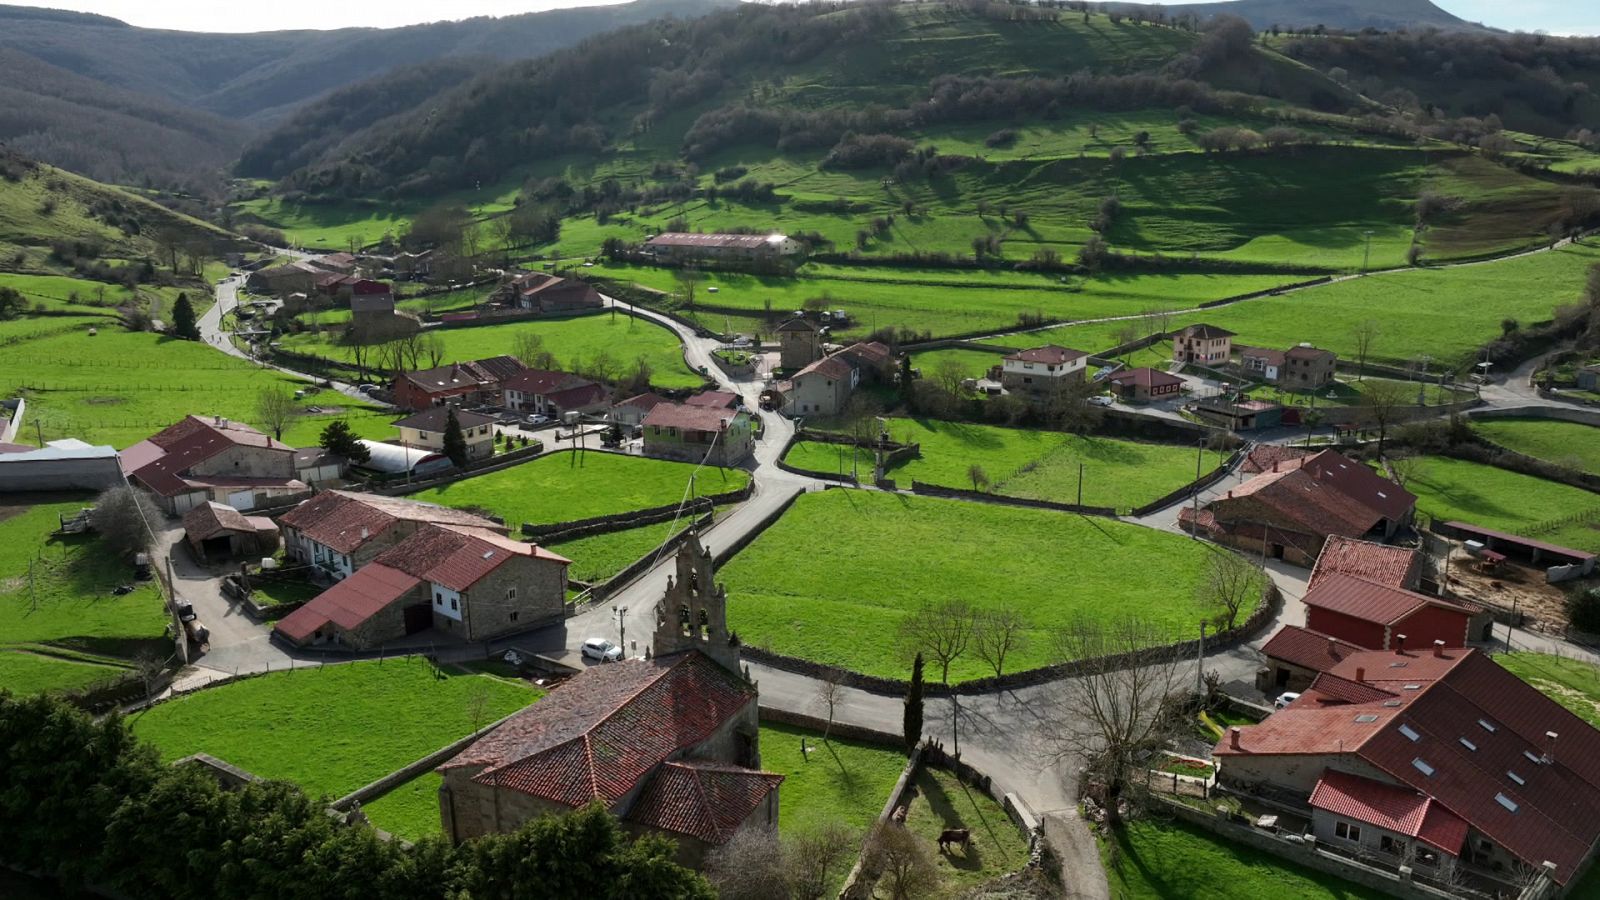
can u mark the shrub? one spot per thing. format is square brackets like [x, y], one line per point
[1583, 610]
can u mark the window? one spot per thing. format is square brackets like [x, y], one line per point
[1347, 831]
[1421, 765]
[513, 616]
[1505, 801]
[511, 593]
[1533, 757]
[423, 435]
[1364, 718]
[1515, 777]
[438, 599]
[1389, 845]
[1410, 733]
[1469, 745]
[454, 604]
[1487, 725]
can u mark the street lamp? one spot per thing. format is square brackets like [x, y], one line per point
[621, 612]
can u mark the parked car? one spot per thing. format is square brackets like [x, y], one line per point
[366, 388]
[1286, 698]
[1101, 400]
[185, 612]
[537, 420]
[602, 650]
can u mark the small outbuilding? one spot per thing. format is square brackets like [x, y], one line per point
[216, 530]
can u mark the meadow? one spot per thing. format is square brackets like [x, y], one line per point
[942, 801]
[598, 557]
[330, 729]
[564, 487]
[1456, 490]
[1037, 465]
[409, 811]
[887, 554]
[842, 781]
[1569, 444]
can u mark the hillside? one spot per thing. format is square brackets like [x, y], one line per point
[1335, 15]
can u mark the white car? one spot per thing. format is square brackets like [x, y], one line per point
[1101, 400]
[601, 649]
[1285, 698]
[538, 420]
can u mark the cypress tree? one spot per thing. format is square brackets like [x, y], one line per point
[455, 443]
[913, 720]
[183, 321]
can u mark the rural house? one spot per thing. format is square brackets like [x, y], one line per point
[1145, 384]
[715, 400]
[675, 246]
[299, 276]
[1395, 567]
[468, 383]
[425, 431]
[1377, 617]
[1435, 758]
[1041, 371]
[1290, 511]
[719, 437]
[1307, 368]
[820, 389]
[670, 744]
[549, 294]
[873, 360]
[337, 532]
[199, 460]
[471, 583]
[552, 393]
[1204, 344]
[216, 531]
[799, 343]
[374, 319]
[630, 413]
[1262, 363]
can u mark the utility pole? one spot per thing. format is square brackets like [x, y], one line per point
[1080, 484]
[1200, 662]
[621, 612]
[1199, 460]
[1511, 624]
[1366, 256]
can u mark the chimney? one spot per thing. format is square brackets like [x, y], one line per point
[1400, 644]
[1333, 646]
[1230, 493]
[1361, 675]
[1438, 649]
[1550, 746]
[1233, 737]
[1274, 465]
[364, 534]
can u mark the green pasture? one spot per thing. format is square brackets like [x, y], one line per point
[1569, 444]
[1456, 490]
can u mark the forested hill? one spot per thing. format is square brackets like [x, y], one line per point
[71, 84]
[1331, 15]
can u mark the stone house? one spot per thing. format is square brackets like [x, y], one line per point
[1262, 363]
[466, 582]
[469, 383]
[1438, 758]
[1144, 384]
[215, 531]
[553, 393]
[822, 388]
[297, 277]
[1204, 344]
[198, 460]
[1042, 371]
[338, 532]
[674, 246]
[549, 294]
[425, 431]
[1306, 368]
[719, 437]
[670, 744]
[630, 413]
[873, 360]
[799, 343]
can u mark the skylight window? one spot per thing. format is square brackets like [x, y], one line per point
[1515, 777]
[1392, 704]
[1383, 495]
[1533, 757]
[1413, 687]
[1410, 733]
[1469, 745]
[1397, 665]
[1505, 801]
[1487, 725]
[1421, 765]
[1366, 717]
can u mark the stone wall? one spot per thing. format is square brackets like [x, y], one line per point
[541, 598]
[934, 490]
[1189, 490]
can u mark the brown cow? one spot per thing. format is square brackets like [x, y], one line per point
[962, 836]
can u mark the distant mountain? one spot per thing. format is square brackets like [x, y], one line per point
[1340, 15]
[187, 83]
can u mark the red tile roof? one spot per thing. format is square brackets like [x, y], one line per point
[689, 418]
[348, 603]
[209, 520]
[457, 558]
[1518, 539]
[478, 373]
[1370, 601]
[1262, 457]
[1271, 357]
[1049, 354]
[162, 461]
[1323, 494]
[1205, 332]
[1146, 377]
[698, 240]
[835, 367]
[544, 381]
[1380, 563]
[607, 729]
[1390, 807]
[872, 353]
[646, 401]
[343, 521]
[715, 399]
[704, 800]
[1307, 649]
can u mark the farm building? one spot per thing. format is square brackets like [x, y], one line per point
[199, 460]
[1378, 617]
[1145, 384]
[550, 294]
[64, 465]
[468, 383]
[719, 437]
[337, 532]
[678, 246]
[215, 531]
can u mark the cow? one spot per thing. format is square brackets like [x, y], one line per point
[962, 836]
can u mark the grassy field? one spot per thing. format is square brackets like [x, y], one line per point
[60, 626]
[881, 555]
[1572, 683]
[330, 729]
[1150, 860]
[335, 226]
[1444, 313]
[1457, 490]
[842, 781]
[1569, 444]
[575, 342]
[943, 801]
[563, 487]
[409, 811]
[598, 557]
[1038, 465]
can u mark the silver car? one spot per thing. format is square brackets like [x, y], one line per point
[602, 650]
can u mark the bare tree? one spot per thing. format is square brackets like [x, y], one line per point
[433, 346]
[750, 866]
[997, 634]
[148, 667]
[526, 346]
[816, 857]
[1404, 468]
[948, 374]
[1230, 584]
[1383, 401]
[941, 631]
[978, 477]
[504, 230]
[477, 702]
[1114, 714]
[1068, 407]
[275, 408]
[688, 278]
[123, 517]
[830, 691]
[906, 867]
[1365, 333]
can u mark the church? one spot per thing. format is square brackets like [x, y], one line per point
[670, 744]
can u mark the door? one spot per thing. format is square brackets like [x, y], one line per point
[419, 617]
[242, 500]
[1277, 551]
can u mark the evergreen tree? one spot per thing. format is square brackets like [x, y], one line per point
[183, 321]
[913, 720]
[338, 438]
[455, 443]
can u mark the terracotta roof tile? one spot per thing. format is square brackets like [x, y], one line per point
[350, 602]
[691, 418]
[715, 400]
[1390, 807]
[704, 800]
[1390, 566]
[1307, 649]
[162, 461]
[1205, 332]
[343, 521]
[1145, 377]
[1049, 354]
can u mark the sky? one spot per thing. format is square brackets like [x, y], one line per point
[1554, 16]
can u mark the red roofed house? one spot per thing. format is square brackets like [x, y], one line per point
[337, 532]
[471, 582]
[669, 744]
[821, 388]
[875, 360]
[1042, 370]
[1432, 758]
[553, 393]
[1396, 567]
[1296, 656]
[1204, 344]
[467, 383]
[199, 460]
[799, 343]
[1145, 384]
[1261, 362]
[719, 437]
[715, 400]
[630, 413]
[1378, 617]
[1289, 511]
[545, 293]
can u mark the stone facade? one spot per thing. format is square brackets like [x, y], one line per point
[799, 344]
[522, 594]
[239, 461]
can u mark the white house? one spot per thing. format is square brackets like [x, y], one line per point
[1042, 369]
